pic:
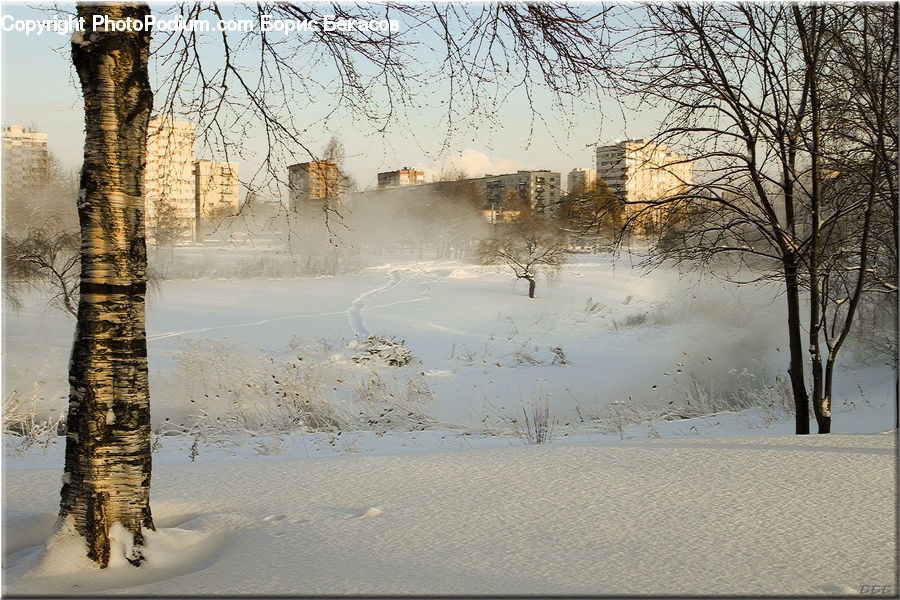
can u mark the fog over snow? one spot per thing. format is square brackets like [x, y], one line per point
[476, 338]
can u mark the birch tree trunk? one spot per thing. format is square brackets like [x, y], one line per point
[107, 468]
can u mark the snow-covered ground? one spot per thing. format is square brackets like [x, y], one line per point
[731, 515]
[604, 333]
[670, 467]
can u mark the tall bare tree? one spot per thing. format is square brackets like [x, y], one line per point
[746, 89]
[852, 140]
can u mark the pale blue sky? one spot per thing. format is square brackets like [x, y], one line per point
[39, 88]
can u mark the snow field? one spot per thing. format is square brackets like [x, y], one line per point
[291, 458]
[483, 348]
[733, 515]
[606, 347]
[605, 343]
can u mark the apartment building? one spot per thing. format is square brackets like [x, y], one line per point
[25, 156]
[580, 179]
[216, 190]
[216, 187]
[641, 171]
[169, 192]
[539, 189]
[314, 181]
[400, 178]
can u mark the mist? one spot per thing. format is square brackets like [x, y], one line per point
[266, 239]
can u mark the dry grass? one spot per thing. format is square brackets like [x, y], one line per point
[237, 393]
[24, 427]
[744, 391]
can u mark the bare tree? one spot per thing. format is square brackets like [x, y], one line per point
[216, 218]
[34, 197]
[746, 86]
[39, 246]
[336, 153]
[530, 245]
[853, 142]
[167, 226]
[591, 213]
[43, 256]
[455, 219]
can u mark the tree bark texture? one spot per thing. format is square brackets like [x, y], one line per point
[795, 343]
[107, 466]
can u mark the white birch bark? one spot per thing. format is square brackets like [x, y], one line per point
[107, 470]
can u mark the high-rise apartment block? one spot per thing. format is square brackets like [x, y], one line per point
[215, 191]
[400, 178]
[170, 197]
[25, 156]
[580, 179]
[216, 187]
[315, 181]
[641, 171]
[540, 189]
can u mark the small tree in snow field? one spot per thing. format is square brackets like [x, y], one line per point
[529, 245]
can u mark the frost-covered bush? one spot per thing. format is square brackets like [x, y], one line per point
[535, 424]
[387, 351]
[24, 427]
[747, 389]
[512, 350]
[236, 390]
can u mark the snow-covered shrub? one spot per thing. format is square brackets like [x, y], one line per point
[511, 351]
[591, 309]
[745, 390]
[536, 426]
[559, 357]
[236, 390]
[383, 350]
[526, 353]
[417, 390]
[620, 416]
[635, 319]
[391, 405]
[471, 356]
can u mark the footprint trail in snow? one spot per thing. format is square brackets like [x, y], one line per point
[354, 311]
